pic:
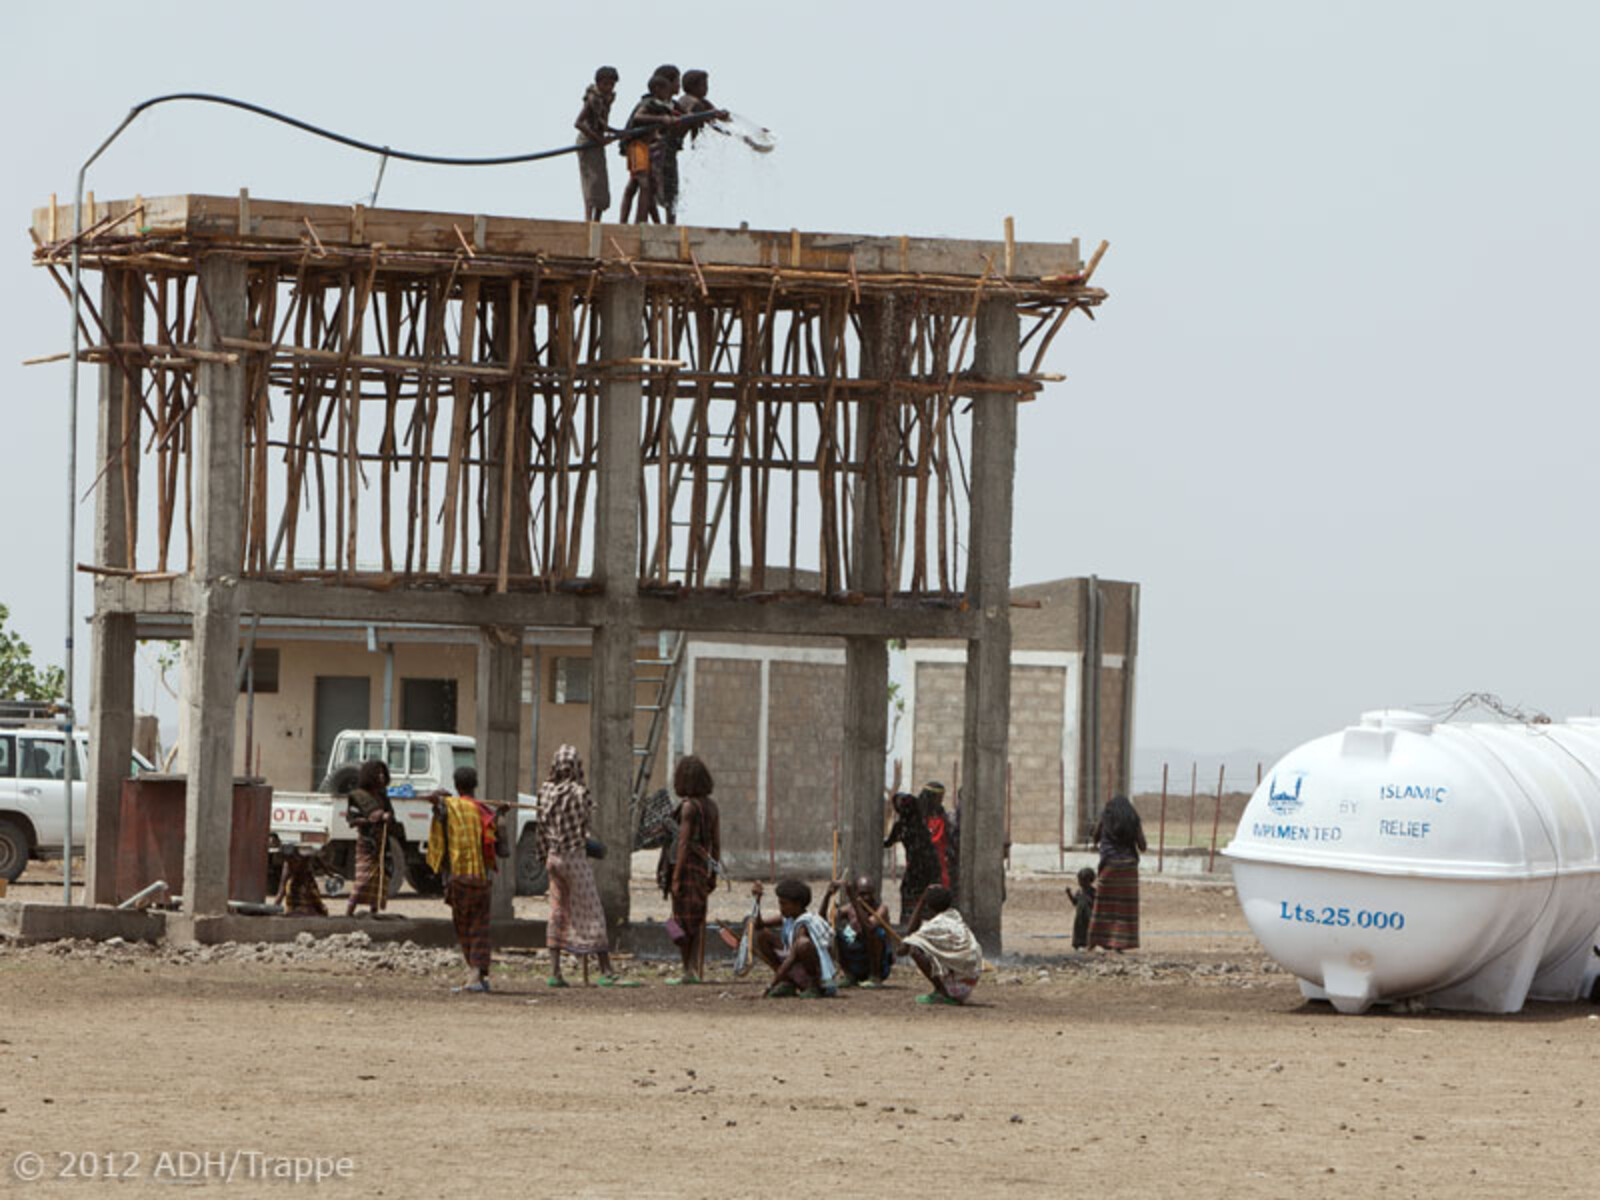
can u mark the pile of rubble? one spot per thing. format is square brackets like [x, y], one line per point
[356, 950]
[1117, 966]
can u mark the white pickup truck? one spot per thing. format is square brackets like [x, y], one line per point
[419, 763]
[33, 793]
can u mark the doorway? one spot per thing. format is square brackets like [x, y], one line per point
[342, 702]
[428, 705]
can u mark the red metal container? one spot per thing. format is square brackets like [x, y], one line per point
[153, 834]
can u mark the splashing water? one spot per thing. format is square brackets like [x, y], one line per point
[758, 137]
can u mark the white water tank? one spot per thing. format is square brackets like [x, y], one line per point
[1457, 864]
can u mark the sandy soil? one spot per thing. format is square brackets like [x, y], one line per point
[1187, 1065]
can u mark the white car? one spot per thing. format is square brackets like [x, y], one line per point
[419, 764]
[33, 794]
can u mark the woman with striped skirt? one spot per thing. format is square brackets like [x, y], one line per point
[1120, 835]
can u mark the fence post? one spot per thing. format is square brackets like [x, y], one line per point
[1161, 843]
[772, 824]
[1194, 785]
[1216, 821]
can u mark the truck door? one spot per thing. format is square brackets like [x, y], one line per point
[8, 770]
[41, 784]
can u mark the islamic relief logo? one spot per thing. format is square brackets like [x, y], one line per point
[1283, 801]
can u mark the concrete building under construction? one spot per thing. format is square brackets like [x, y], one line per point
[365, 415]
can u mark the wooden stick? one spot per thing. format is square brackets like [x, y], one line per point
[1094, 260]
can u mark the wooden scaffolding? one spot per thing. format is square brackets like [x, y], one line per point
[348, 412]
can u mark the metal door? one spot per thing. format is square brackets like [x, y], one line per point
[342, 702]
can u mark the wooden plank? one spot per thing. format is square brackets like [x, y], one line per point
[284, 221]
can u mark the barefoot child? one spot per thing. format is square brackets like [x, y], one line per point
[860, 933]
[796, 944]
[1083, 904]
[943, 948]
[593, 126]
[653, 113]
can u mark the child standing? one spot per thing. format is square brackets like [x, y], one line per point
[593, 126]
[1083, 903]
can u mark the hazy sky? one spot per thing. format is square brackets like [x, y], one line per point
[1337, 416]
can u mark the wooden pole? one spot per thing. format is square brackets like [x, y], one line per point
[1161, 843]
[1216, 820]
[835, 874]
[772, 824]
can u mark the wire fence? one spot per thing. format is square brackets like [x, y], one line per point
[1188, 813]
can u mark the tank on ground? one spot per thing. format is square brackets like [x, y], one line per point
[1456, 864]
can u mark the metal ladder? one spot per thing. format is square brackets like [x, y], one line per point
[666, 665]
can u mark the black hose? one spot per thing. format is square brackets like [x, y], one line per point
[440, 160]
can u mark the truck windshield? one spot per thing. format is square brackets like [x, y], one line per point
[464, 756]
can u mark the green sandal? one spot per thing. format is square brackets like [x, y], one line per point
[681, 981]
[937, 998]
[556, 981]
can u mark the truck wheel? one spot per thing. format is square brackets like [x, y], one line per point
[423, 881]
[394, 865]
[13, 850]
[532, 878]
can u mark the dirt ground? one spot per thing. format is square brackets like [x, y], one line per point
[1189, 1065]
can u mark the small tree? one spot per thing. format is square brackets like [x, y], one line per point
[19, 678]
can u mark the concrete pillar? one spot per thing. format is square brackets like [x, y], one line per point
[499, 735]
[986, 731]
[111, 673]
[616, 566]
[866, 659]
[210, 688]
[111, 663]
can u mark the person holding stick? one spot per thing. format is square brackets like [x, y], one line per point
[861, 933]
[577, 921]
[372, 816]
[1119, 833]
[463, 845]
[796, 944]
[696, 863]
